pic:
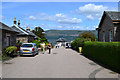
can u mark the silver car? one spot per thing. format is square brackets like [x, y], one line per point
[28, 49]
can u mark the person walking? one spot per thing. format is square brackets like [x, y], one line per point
[49, 47]
[43, 47]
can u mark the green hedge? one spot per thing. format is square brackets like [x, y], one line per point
[107, 53]
[79, 42]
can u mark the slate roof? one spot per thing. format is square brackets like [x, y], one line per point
[114, 15]
[21, 30]
[5, 27]
[32, 34]
[61, 40]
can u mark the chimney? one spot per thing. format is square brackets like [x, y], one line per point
[18, 22]
[28, 29]
[15, 21]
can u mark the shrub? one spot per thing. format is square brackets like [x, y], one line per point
[37, 43]
[107, 53]
[11, 50]
[88, 35]
[79, 42]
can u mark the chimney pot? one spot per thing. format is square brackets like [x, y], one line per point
[18, 22]
[15, 21]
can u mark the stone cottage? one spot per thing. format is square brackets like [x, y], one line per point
[23, 36]
[7, 36]
[109, 27]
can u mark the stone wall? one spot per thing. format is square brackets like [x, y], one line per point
[106, 26]
[12, 36]
[23, 39]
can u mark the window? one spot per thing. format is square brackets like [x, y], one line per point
[27, 45]
[110, 36]
[103, 36]
[8, 41]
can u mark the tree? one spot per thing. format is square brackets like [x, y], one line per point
[39, 32]
[88, 35]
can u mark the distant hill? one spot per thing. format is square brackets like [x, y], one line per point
[69, 35]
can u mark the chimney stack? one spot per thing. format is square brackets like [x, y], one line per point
[18, 22]
[28, 29]
[15, 21]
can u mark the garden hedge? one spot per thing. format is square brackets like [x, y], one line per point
[107, 53]
[78, 42]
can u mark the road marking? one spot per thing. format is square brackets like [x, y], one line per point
[92, 75]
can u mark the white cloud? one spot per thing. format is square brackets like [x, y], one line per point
[1, 17]
[60, 27]
[90, 17]
[58, 18]
[70, 21]
[92, 11]
[92, 8]
[60, 15]
[95, 26]
[32, 17]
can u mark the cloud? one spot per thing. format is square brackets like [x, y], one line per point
[92, 9]
[70, 21]
[60, 15]
[32, 17]
[90, 17]
[1, 17]
[57, 18]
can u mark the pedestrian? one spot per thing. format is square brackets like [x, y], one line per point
[43, 47]
[49, 47]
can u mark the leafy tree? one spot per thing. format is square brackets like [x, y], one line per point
[39, 32]
[88, 35]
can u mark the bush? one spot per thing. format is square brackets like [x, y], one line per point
[107, 53]
[79, 42]
[37, 43]
[88, 35]
[11, 50]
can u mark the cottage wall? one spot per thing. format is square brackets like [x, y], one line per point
[106, 26]
[12, 36]
[22, 39]
[117, 35]
[0, 39]
[30, 38]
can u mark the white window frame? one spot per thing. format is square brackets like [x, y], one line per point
[110, 35]
[103, 36]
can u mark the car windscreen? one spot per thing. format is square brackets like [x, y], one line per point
[27, 45]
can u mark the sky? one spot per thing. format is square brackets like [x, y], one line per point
[56, 15]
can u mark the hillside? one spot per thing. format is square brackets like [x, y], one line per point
[69, 35]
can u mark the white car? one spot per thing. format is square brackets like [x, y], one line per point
[28, 49]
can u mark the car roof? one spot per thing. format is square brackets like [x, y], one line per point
[29, 43]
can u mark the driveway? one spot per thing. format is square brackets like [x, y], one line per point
[61, 63]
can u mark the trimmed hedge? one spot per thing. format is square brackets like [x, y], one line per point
[78, 42]
[106, 53]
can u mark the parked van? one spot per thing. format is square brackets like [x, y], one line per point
[28, 49]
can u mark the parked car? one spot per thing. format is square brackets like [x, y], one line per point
[57, 45]
[67, 45]
[28, 49]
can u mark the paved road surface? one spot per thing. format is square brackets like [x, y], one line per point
[62, 63]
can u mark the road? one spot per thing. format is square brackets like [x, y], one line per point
[61, 63]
